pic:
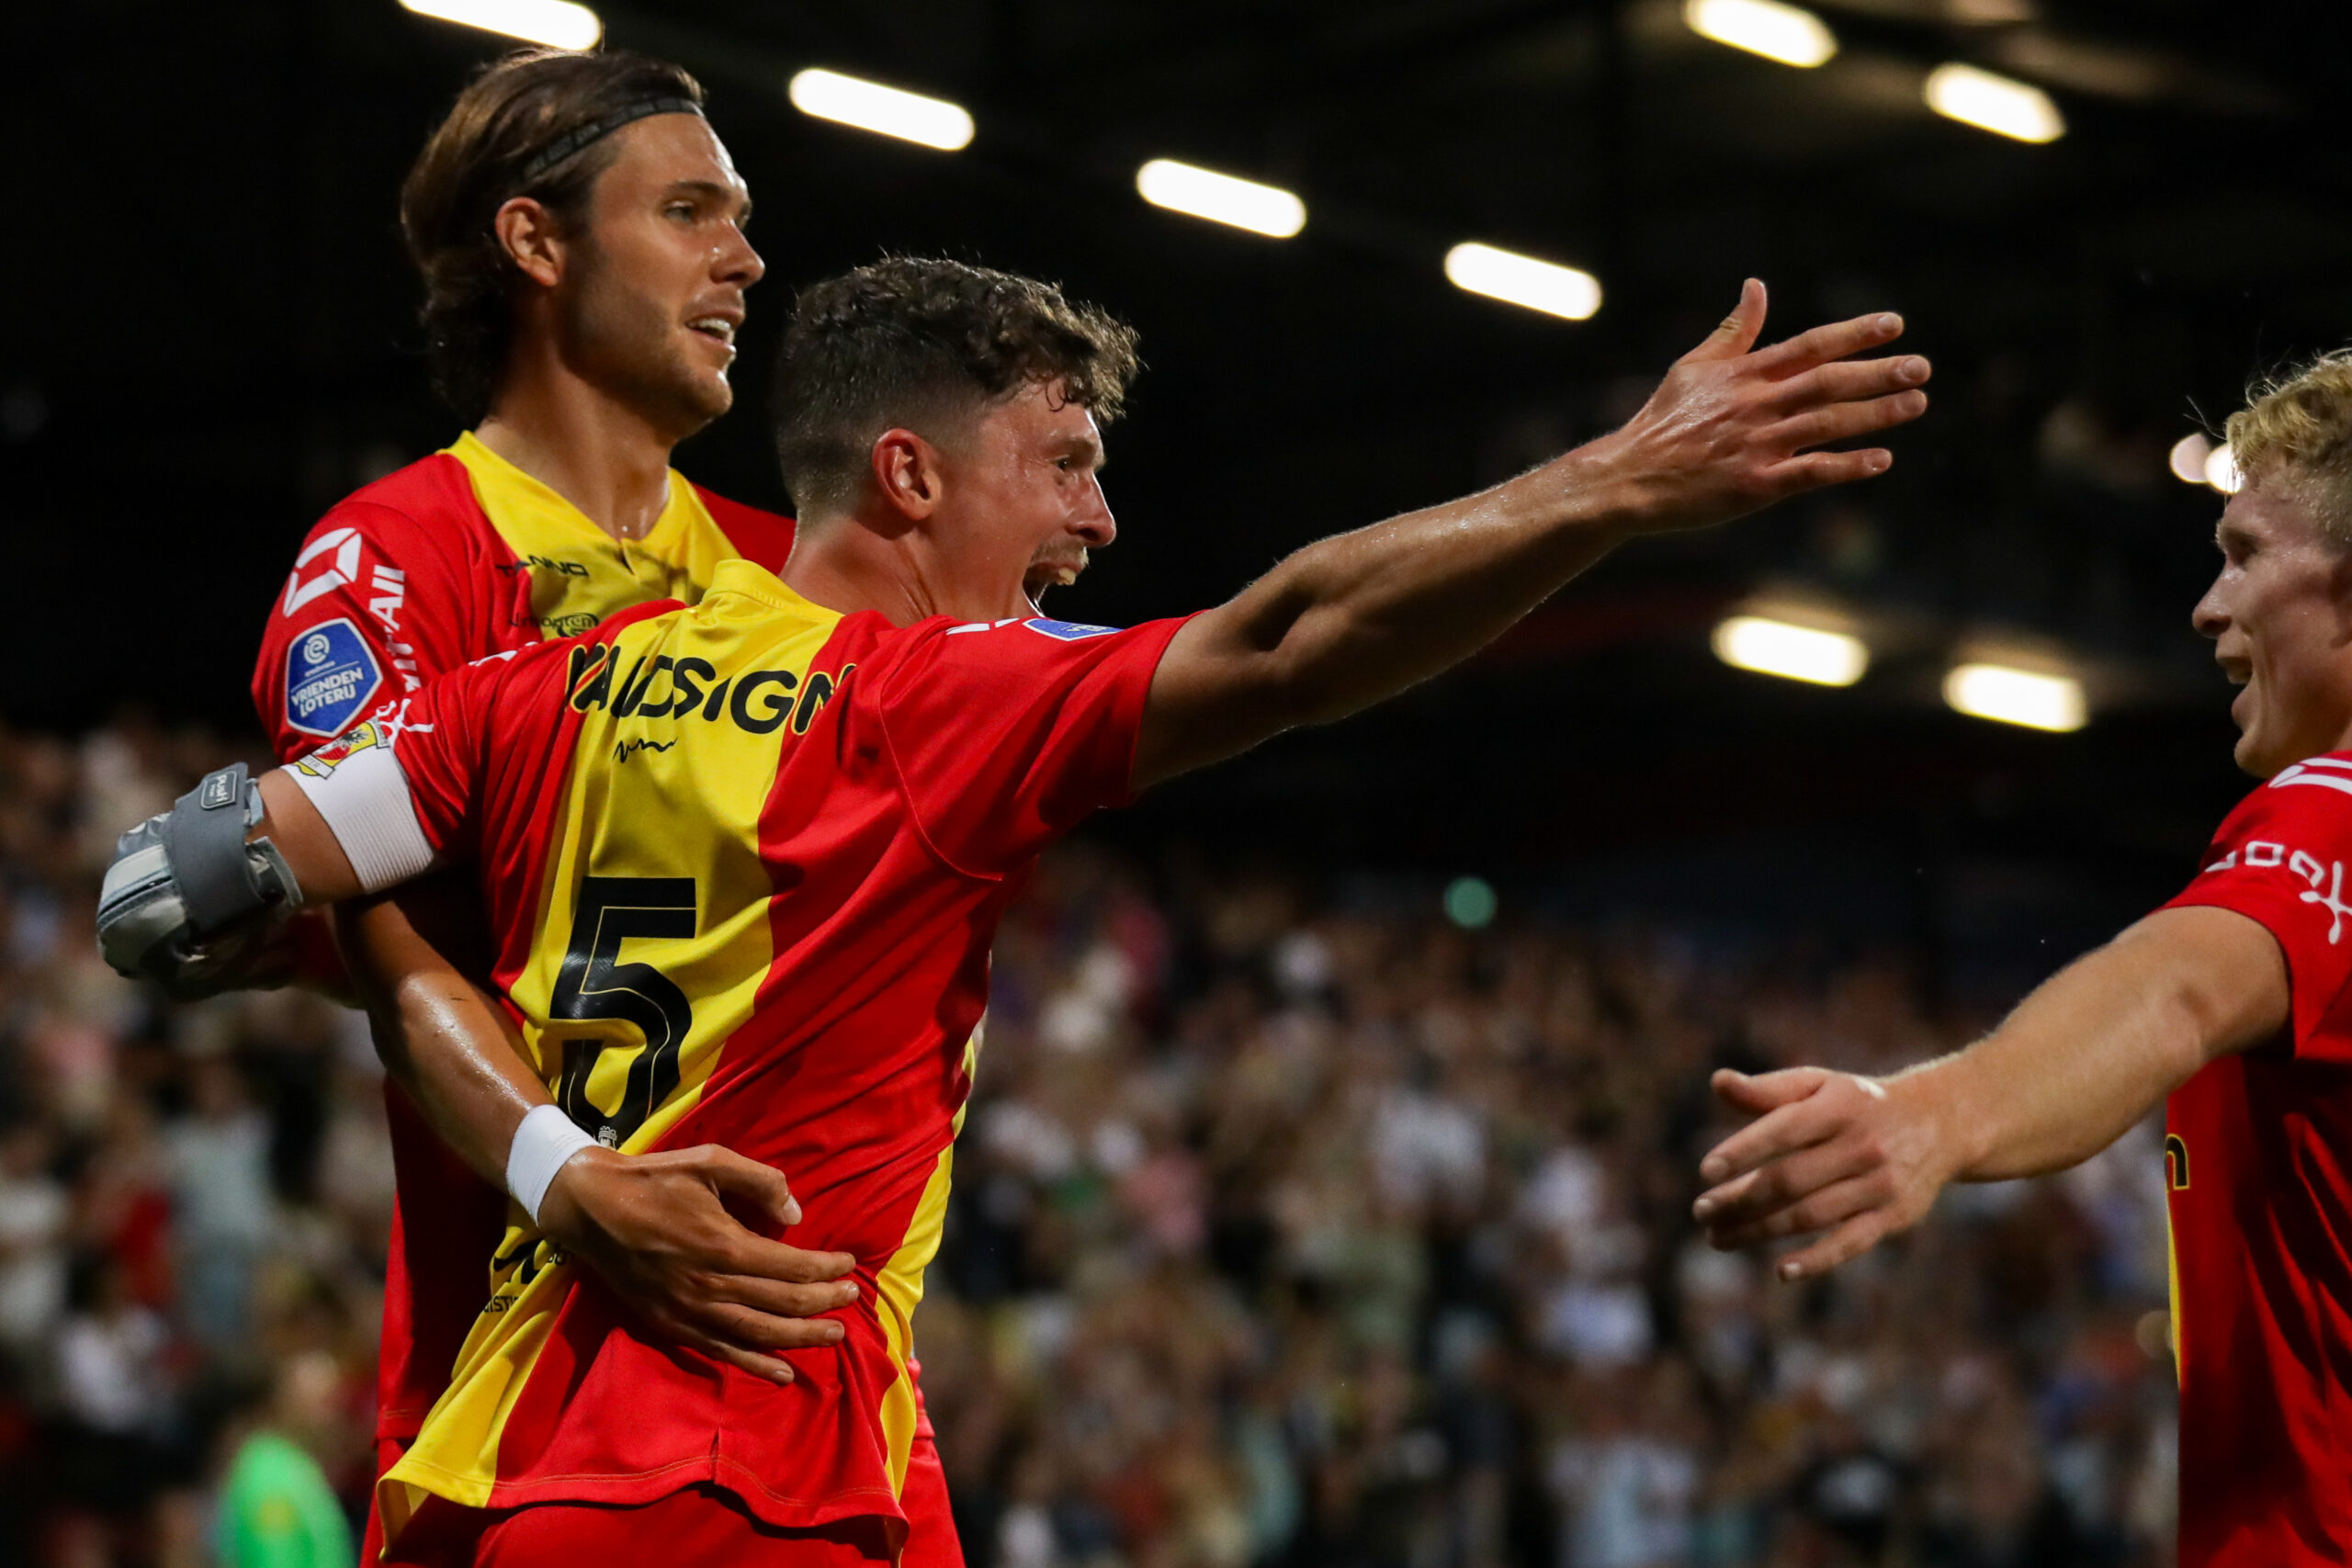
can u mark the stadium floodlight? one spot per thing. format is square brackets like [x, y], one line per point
[2009, 695]
[887, 111]
[2221, 470]
[2186, 459]
[1522, 280]
[2001, 105]
[1221, 198]
[1789, 34]
[1795, 653]
[557, 23]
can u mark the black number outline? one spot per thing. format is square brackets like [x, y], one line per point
[594, 987]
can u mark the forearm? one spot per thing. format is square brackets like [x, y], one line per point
[1359, 616]
[2101, 1044]
[440, 1036]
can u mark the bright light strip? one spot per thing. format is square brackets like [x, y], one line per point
[887, 111]
[1785, 33]
[1998, 104]
[1522, 280]
[1799, 654]
[558, 23]
[2009, 695]
[2221, 470]
[1221, 198]
[2186, 459]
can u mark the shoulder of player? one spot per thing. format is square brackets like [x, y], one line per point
[427, 505]
[2309, 803]
[759, 535]
[2331, 772]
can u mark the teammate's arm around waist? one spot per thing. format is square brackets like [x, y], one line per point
[654, 1225]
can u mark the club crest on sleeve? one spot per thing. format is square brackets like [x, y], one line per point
[342, 748]
[1067, 631]
[330, 675]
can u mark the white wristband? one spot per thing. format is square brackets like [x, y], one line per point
[546, 1139]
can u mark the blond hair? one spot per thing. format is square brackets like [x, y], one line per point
[2298, 427]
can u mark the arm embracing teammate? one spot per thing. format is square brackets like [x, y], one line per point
[744, 861]
[2229, 1006]
[580, 231]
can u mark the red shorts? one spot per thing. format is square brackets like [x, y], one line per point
[701, 1524]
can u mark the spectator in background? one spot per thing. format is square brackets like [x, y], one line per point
[276, 1509]
[34, 1212]
[115, 1386]
[220, 1166]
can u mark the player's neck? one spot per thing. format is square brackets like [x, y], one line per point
[845, 566]
[587, 446]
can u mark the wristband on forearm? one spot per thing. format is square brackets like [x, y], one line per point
[545, 1140]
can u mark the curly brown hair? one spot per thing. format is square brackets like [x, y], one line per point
[479, 159]
[910, 341]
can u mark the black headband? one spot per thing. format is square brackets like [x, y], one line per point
[597, 129]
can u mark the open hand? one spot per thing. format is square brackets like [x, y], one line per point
[656, 1229]
[1733, 427]
[1859, 1158]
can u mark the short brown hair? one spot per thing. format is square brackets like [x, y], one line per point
[909, 340]
[2300, 427]
[479, 158]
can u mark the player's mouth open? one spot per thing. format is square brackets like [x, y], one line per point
[718, 329]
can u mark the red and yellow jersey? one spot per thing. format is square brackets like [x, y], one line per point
[447, 561]
[464, 554]
[743, 863]
[2258, 1159]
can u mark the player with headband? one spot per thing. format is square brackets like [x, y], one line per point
[581, 232]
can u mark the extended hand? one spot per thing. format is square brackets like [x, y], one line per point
[1733, 428]
[655, 1228]
[1859, 1158]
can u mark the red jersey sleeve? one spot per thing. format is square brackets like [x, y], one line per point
[1006, 735]
[400, 789]
[373, 609]
[2279, 860]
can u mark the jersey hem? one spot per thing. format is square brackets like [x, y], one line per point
[638, 1487]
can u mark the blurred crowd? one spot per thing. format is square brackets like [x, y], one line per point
[1294, 1224]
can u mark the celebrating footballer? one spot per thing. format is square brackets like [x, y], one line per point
[741, 861]
[2227, 1006]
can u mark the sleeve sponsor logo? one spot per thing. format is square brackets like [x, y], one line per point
[1067, 631]
[2326, 882]
[330, 675]
[340, 548]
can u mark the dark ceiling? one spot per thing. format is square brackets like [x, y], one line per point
[208, 339]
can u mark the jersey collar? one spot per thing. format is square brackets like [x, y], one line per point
[494, 476]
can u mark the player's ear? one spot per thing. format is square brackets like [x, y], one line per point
[908, 473]
[526, 231]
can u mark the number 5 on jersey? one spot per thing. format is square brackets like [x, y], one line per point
[595, 987]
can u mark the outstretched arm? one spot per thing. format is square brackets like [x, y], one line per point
[1355, 618]
[654, 1225]
[2089, 1053]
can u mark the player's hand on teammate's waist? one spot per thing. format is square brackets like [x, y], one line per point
[1856, 1157]
[655, 1227]
[1733, 427]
